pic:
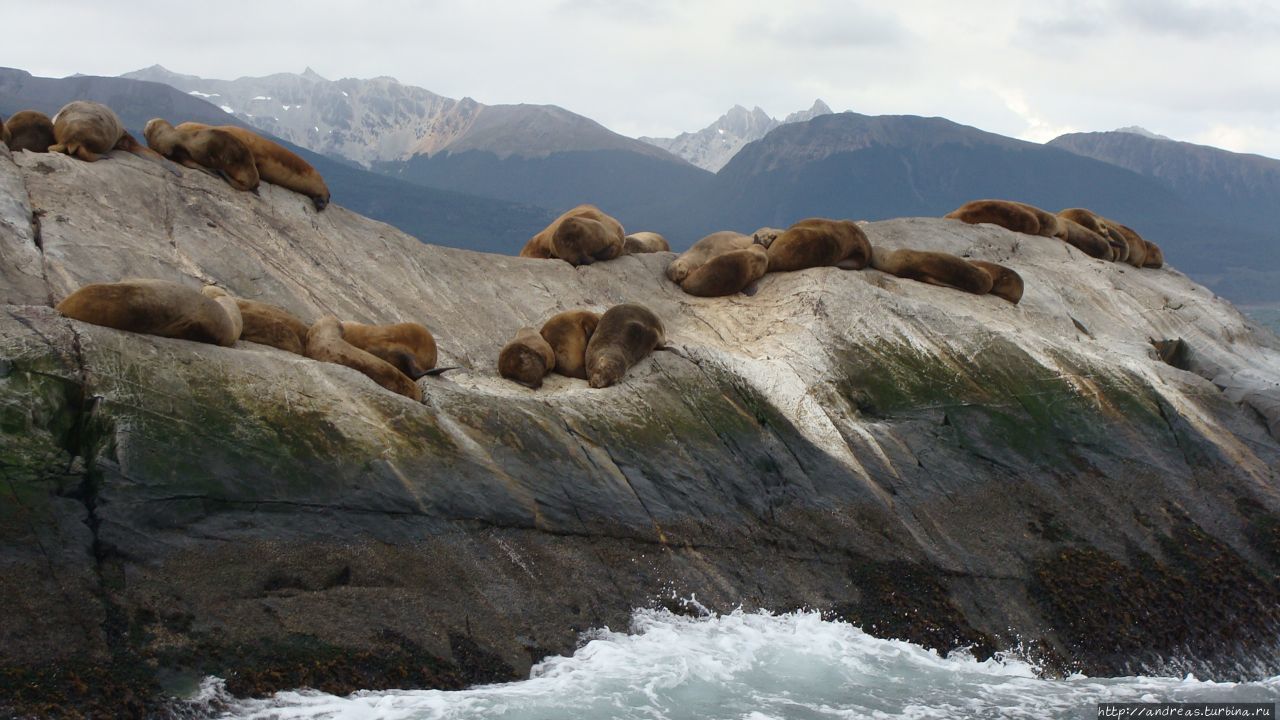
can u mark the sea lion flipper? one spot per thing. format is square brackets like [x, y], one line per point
[439, 370]
[751, 289]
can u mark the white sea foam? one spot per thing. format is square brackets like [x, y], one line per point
[758, 666]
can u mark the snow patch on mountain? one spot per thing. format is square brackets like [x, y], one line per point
[712, 147]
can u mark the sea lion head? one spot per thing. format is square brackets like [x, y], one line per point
[678, 270]
[320, 201]
[605, 369]
[153, 126]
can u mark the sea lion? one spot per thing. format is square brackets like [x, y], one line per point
[325, 343]
[1155, 256]
[1006, 214]
[568, 334]
[1050, 225]
[625, 335]
[727, 273]
[270, 325]
[88, 130]
[1137, 245]
[580, 236]
[1086, 240]
[644, 242]
[409, 347]
[717, 243]
[29, 130]
[208, 149]
[819, 242]
[276, 164]
[935, 268]
[1005, 282]
[1088, 219]
[527, 358]
[155, 307]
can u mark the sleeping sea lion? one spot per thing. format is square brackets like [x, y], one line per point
[155, 307]
[1006, 214]
[276, 164]
[211, 149]
[568, 334]
[935, 268]
[580, 236]
[325, 343]
[1005, 282]
[29, 130]
[87, 130]
[819, 242]
[408, 347]
[1086, 240]
[625, 335]
[527, 358]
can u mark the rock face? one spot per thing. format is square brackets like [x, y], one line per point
[935, 466]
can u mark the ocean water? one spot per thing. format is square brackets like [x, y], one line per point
[755, 666]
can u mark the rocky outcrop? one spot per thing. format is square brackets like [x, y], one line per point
[932, 465]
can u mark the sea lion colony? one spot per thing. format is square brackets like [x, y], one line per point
[598, 348]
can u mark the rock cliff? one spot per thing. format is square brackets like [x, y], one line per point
[935, 466]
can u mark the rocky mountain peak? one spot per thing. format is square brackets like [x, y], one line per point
[1137, 130]
[715, 145]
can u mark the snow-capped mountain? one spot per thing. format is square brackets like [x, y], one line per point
[715, 145]
[382, 120]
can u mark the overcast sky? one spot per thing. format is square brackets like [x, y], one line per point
[1198, 71]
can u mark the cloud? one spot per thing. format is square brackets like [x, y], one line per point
[1198, 20]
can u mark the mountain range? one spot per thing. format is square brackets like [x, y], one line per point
[462, 173]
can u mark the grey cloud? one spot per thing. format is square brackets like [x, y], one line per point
[1193, 20]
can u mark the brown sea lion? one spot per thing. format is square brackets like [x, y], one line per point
[644, 242]
[935, 268]
[1137, 245]
[717, 243]
[580, 236]
[276, 164]
[1049, 223]
[88, 130]
[1096, 223]
[1006, 214]
[819, 242]
[1005, 282]
[527, 358]
[1086, 240]
[1155, 256]
[325, 343]
[727, 273]
[270, 325]
[155, 307]
[625, 335]
[209, 149]
[409, 347]
[30, 130]
[568, 334]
